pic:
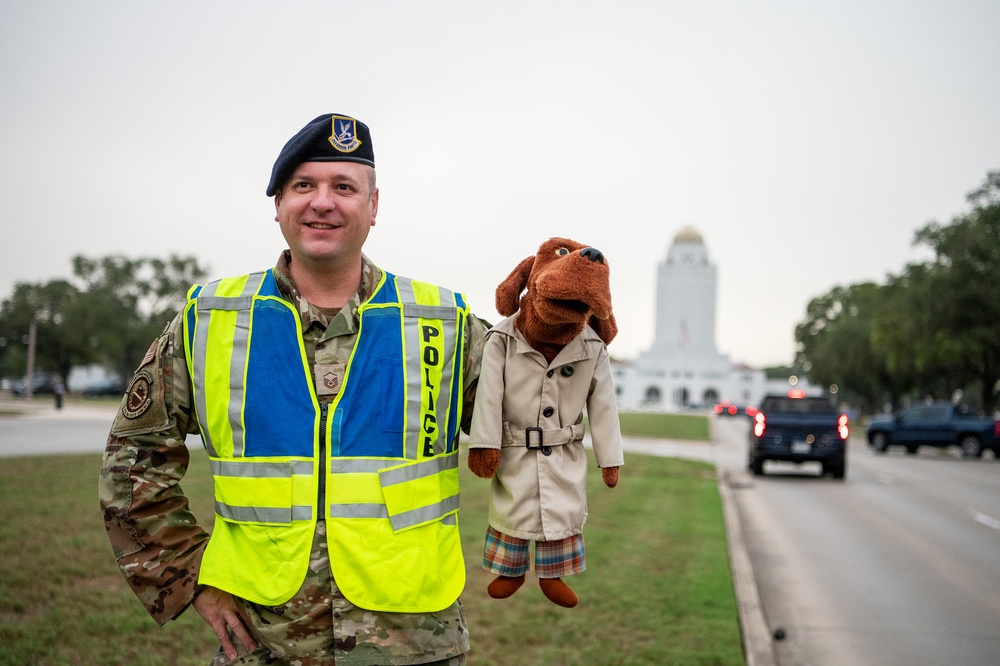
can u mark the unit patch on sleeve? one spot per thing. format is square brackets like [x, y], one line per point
[138, 396]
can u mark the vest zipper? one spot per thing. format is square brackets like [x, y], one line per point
[321, 505]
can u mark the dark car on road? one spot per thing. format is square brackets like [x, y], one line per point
[796, 427]
[938, 424]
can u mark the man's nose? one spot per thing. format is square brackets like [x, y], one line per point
[323, 198]
[593, 254]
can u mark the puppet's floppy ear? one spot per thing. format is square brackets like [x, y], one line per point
[509, 291]
[606, 329]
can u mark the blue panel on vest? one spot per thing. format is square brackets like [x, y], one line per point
[372, 404]
[277, 387]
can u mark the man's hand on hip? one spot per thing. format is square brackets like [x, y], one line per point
[219, 609]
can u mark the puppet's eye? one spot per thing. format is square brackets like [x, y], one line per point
[562, 251]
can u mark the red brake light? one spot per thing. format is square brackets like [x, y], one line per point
[796, 393]
[718, 409]
[732, 409]
[842, 428]
[758, 424]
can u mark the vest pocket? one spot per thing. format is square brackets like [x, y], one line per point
[258, 493]
[418, 494]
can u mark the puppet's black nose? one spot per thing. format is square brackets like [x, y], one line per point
[593, 254]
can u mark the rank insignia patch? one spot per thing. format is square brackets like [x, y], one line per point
[345, 134]
[138, 395]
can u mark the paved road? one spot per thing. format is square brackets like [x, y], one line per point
[899, 564]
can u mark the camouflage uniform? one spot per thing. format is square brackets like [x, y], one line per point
[159, 544]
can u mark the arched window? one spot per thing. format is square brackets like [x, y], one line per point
[653, 396]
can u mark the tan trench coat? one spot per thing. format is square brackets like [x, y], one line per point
[537, 496]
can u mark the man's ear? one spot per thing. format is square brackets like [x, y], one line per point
[277, 201]
[374, 205]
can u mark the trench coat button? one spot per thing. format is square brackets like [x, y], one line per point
[566, 371]
[549, 373]
[546, 450]
[548, 411]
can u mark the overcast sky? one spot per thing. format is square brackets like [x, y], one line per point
[806, 141]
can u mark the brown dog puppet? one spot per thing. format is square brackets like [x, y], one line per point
[542, 366]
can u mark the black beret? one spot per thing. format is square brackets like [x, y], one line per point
[328, 138]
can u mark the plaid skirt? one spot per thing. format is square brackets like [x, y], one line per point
[508, 556]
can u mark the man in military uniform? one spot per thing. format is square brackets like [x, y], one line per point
[328, 394]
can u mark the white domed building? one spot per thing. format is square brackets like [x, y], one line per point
[683, 368]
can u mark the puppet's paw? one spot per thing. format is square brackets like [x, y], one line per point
[504, 586]
[484, 462]
[610, 476]
[558, 592]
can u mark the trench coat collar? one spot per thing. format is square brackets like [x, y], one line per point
[576, 350]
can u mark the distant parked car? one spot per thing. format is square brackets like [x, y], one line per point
[939, 424]
[104, 387]
[42, 382]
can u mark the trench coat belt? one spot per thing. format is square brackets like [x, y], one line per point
[550, 437]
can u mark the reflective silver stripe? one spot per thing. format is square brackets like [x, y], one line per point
[262, 470]
[424, 514]
[391, 477]
[361, 465]
[256, 514]
[237, 368]
[411, 342]
[430, 311]
[358, 511]
[230, 303]
[200, 352]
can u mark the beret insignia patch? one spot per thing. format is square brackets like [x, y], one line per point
[138, 395]
[345, 134]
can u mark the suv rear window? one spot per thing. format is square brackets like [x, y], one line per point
[807, 405]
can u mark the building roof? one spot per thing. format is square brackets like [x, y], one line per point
[688, 235]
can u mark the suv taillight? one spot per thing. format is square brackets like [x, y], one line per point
[842, 428]
[758, 424]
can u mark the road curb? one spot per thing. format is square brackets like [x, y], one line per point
[757, 646]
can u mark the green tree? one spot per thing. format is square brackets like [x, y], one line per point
[54, 307]
[836, 344]
[111, 318]
[129, 301]
[964, 291]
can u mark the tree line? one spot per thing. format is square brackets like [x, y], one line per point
[930, 331]
[107, 315]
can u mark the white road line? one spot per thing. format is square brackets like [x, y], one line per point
[984, 519]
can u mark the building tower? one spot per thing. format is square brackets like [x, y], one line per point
[683, 368]
[685, 298]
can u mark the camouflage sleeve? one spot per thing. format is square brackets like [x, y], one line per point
[475, 333]
[155, 537]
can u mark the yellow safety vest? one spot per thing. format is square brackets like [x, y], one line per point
[381, 460]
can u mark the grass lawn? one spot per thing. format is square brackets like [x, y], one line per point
[657, 590]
